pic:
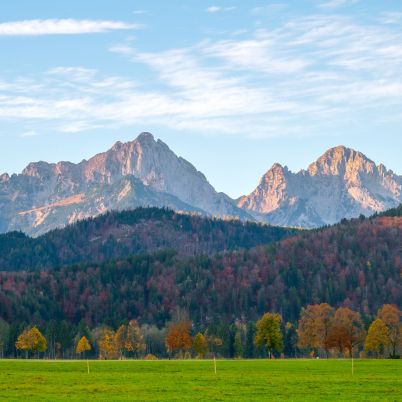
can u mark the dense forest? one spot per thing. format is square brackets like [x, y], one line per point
[120, 234]
[356, 263]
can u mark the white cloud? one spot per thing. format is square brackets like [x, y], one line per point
[61, 27]
[213, 9]
[306, 74]
[74, 73]
[30, 133]
[391, 17]
[338, 3]
[217, 9]
[140, 12]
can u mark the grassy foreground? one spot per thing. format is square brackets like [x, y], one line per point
[238, 380]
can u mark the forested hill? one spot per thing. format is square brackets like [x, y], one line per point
[356, 263]
[120, 234]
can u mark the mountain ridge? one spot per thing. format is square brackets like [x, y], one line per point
[341, 183]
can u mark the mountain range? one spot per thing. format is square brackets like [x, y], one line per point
[342, 183]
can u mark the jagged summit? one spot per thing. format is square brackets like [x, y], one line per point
[142, 172]
[340, 183]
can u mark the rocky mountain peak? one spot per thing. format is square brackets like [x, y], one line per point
[38, 169]
[341, 183]
[142, 172]
[341, 161]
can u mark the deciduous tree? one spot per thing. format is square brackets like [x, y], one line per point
[314, 325]
[200, 345]
[178, 337]
[83, 345]
[107, 345]
[269, 333]
[346, 330]
[31, 339]
[377, 337]
[134, 341]
[391, 316]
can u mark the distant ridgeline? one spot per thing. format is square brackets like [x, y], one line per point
[356, 263]
[120, 234]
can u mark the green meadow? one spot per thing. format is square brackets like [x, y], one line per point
[192, 380]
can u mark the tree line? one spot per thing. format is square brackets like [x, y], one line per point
[321, 331]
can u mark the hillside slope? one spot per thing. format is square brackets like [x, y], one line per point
[120, 234]
[356, 263]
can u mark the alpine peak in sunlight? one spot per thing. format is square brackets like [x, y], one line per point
[342, 183]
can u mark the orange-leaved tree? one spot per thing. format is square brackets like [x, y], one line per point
[346, 331]
[31, 339]
[107, 344]
[314, 326]
[178, 337]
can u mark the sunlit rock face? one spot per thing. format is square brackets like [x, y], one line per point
[143, 172]
[342, 183]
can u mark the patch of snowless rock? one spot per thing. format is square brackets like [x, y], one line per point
[342, 183]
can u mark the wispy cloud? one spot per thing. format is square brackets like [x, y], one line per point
[62, 27]
[307, 74]
[337, 3]
[30, 133]
[391, 17]
[217, 9]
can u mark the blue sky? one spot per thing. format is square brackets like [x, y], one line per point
[232, 86]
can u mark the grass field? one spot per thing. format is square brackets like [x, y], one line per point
[238, 380]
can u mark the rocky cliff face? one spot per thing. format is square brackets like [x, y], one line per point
[143, 172]
[342, 183]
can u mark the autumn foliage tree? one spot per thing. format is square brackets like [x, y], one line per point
[314, 326]
[107, 344]
[83, 346]
[269, 333]
[31, 339]
[346, 331]
[391, 316]
[178, 337]
[200, 345]
[134, 339]
[377, 337]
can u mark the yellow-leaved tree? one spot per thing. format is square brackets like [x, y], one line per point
[377, 338]
[31, 339]
[269, 333]
[200, 345]
[83, 345]
[134, 341]
[107, 344]
[391, 316]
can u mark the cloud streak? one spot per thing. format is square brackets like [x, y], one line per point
[337, 3]
[307, 75]
[62, 27]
